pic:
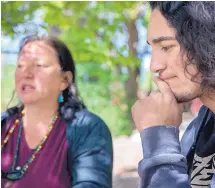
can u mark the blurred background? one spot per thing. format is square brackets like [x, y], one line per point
[108, 44]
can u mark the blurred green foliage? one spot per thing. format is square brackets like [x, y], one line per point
[7, 86]
[104, 95]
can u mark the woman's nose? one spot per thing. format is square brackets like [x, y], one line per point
[28, 71]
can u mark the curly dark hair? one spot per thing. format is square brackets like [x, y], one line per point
[194, 23]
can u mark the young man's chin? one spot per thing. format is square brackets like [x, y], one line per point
[185, 98]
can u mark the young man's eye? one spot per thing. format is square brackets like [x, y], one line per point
[166, 48]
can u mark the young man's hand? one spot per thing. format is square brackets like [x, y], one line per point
[159, 108]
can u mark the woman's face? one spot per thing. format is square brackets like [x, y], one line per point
[38, 76]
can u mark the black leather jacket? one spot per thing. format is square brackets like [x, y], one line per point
[90, 151]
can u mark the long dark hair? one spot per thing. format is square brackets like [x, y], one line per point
[194, 22]
[71, 101]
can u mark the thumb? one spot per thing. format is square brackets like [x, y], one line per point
[163, 86]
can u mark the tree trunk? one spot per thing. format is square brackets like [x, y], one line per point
[131, 84]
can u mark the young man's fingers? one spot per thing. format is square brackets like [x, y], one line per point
[163, 86]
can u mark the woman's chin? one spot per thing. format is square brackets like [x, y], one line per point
[28, 101]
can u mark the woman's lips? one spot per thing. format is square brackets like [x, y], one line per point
[27, 88]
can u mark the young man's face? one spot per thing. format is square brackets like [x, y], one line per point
[168, 61]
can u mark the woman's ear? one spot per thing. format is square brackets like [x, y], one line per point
[67, 79]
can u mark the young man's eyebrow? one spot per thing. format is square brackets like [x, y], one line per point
[161, 39]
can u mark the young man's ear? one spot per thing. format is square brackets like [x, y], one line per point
[67, 79]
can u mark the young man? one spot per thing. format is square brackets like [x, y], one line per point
[182, 37]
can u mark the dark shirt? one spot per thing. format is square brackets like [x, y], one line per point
[204, 159]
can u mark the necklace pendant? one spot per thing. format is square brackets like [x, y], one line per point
[16, 175]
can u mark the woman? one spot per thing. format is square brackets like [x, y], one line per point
[52, 140]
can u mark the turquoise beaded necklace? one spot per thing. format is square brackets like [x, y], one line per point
[19, 172]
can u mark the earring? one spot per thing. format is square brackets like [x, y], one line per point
[60, 98]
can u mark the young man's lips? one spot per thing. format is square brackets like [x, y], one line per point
[166, 78]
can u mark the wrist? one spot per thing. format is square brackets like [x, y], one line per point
[160, 139]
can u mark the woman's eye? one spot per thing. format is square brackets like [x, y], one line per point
[39, 65]
[19, 66]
